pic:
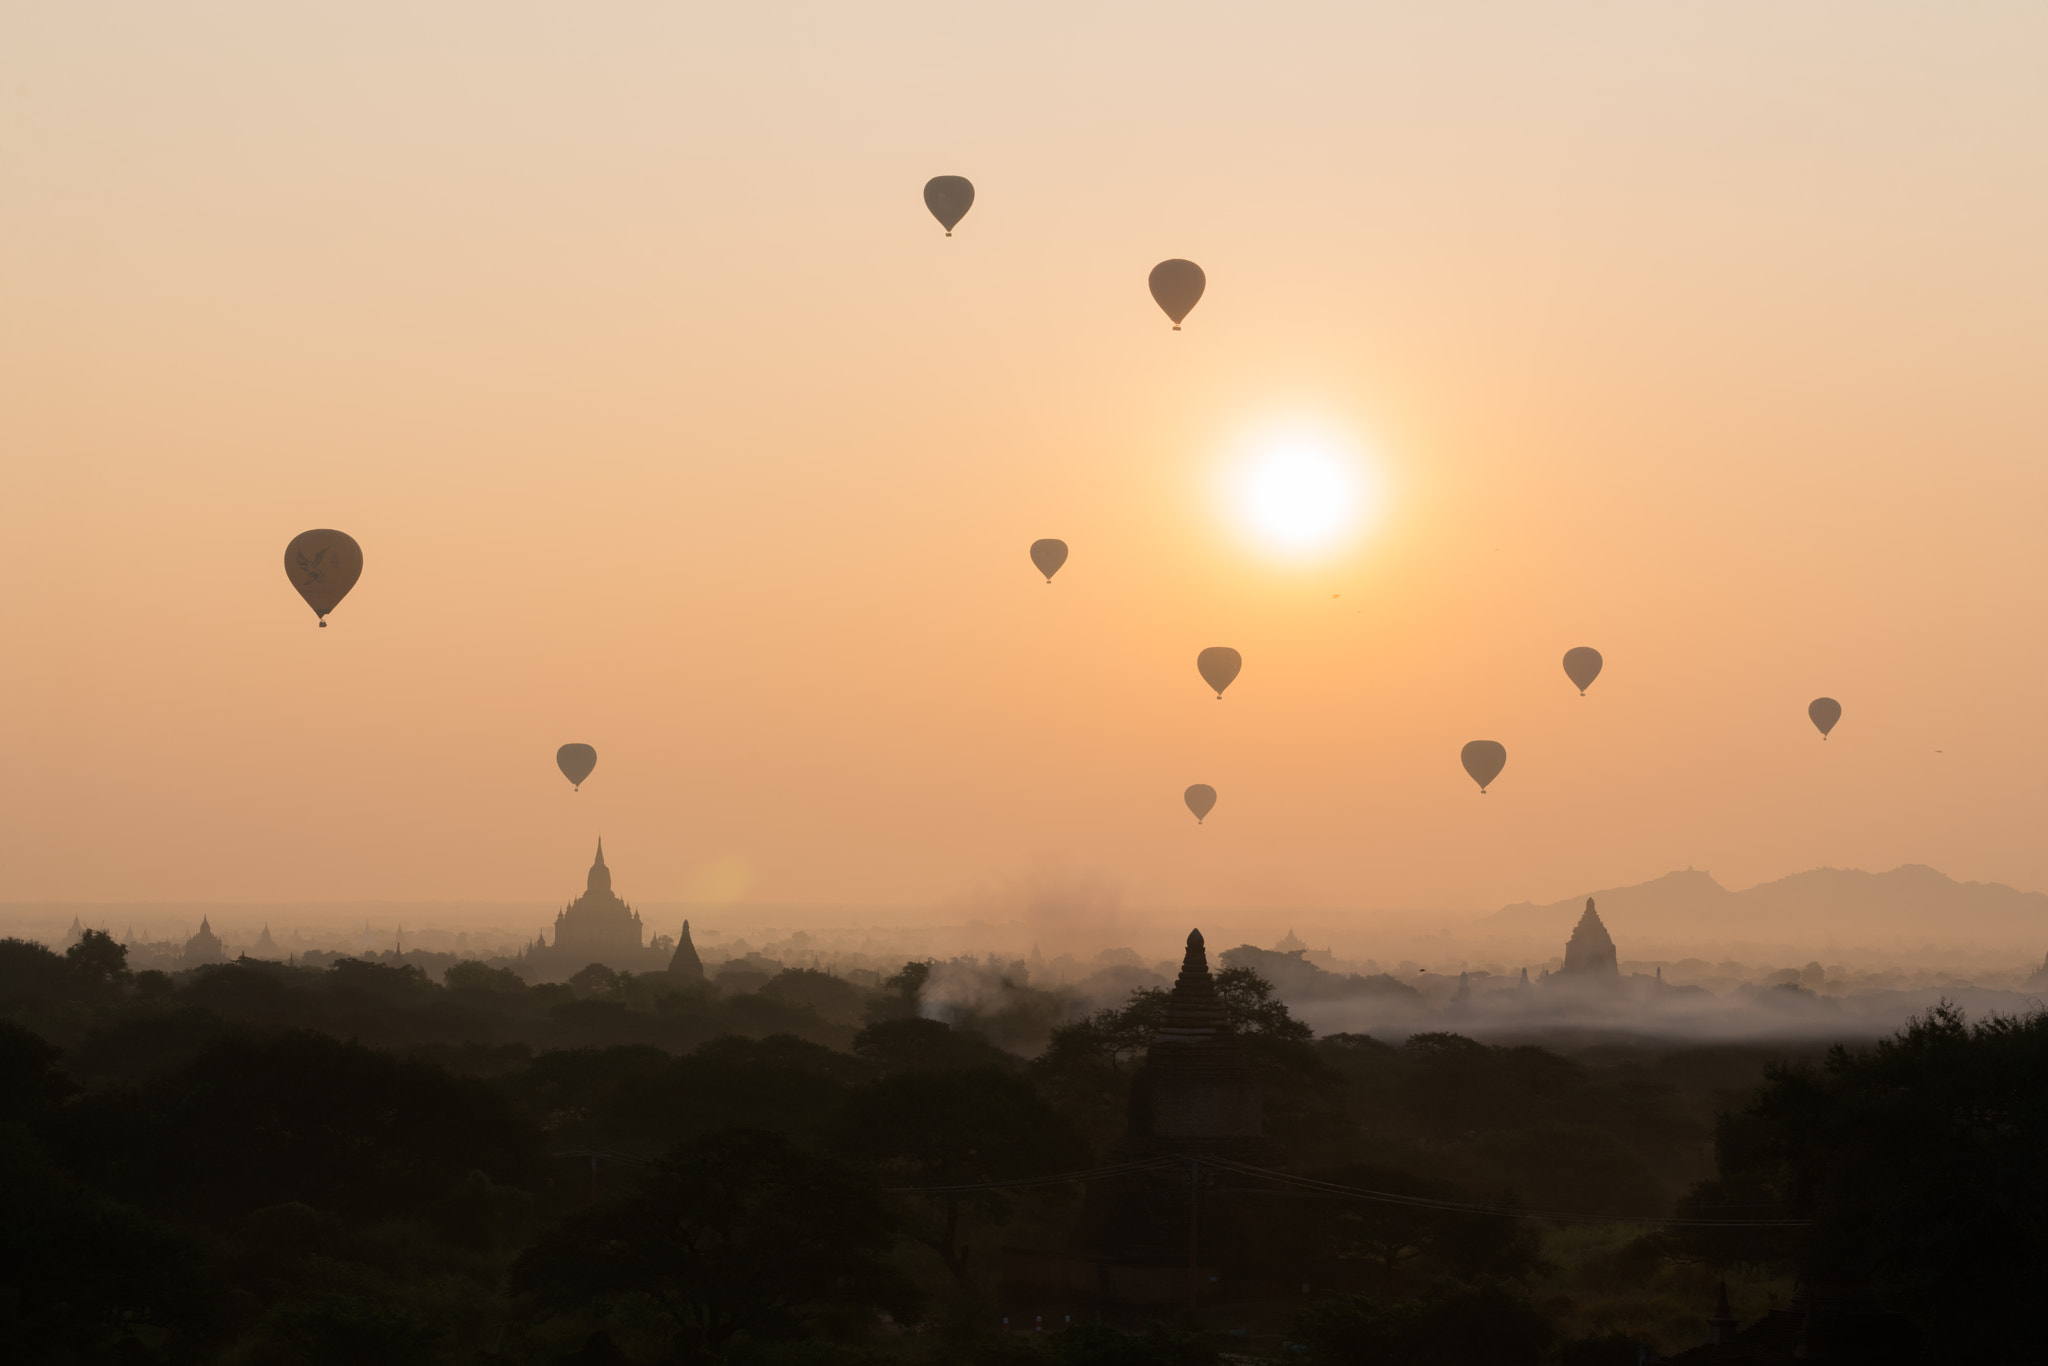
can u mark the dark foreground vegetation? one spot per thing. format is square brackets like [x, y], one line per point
[257, 1163]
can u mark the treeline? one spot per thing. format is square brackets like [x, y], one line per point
[259, 1163]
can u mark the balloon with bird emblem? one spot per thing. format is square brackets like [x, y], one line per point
[323, 566]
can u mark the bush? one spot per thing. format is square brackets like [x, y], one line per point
[1459, 1326]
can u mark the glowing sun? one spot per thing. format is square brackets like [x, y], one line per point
[1298, 494]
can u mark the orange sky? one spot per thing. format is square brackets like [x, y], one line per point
[668, 421]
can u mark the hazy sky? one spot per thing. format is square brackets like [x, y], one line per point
[668, 420]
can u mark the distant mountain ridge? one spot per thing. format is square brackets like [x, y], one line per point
[1913, 904]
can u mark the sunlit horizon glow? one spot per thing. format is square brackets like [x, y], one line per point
[1299, 493]
[669, 420]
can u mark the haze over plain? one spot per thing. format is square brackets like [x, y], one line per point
[670, 423]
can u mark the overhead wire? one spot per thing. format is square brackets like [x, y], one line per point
[1334, 1190]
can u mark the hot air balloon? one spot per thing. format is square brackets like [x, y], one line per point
[323, 566]
[576, 761]
[1201, 799]
[1177, 287]
[1582, 666]
[1218, 665]
[949, 197]
[1484, 759]
[1048, 555]
[1824, 711]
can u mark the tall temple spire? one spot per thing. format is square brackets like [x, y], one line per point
[600, 876]
[1721, 1328]
[685, 965]
[1591, 950]
[1193, 1099]
[1195, 1082]
[1194, 1013]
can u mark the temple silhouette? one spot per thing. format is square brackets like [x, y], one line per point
[1590, 953]
[600, 927]
[1172, 1232]
[204, 947]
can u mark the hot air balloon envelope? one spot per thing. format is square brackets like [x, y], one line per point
[1219, 664]
[1201, 799]
[1177, 287]
[576, 761]
[1825, 711]
[949, 197]
[1484, 759]
[1582, 666]
[323, 566]
[1048, 556]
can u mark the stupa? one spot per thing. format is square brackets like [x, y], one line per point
[685, 965]
[1160, 1235]
[1591, 950]
[1195, 1092]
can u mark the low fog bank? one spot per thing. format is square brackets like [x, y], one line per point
[1829, 953]
[995, 979]
[1912, 923]
[1649, 1001]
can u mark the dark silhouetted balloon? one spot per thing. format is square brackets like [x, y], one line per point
[323, 566]
[1484, 759]
[1048, 555]
[1825, 711]
[576, 761]
[949, 197]
[1582, 666]
[1201, 799]
[1219, 664]
[1177, 287]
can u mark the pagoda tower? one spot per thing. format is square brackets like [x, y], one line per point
[1195, 1091]
[1194, 1098]
[685, 965]
[1591, 950]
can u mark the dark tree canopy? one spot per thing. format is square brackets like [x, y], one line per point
[1920, 1163]
[955, 1129]
[735, 1232]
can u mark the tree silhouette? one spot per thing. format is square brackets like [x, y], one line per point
[953, 1129]
[1919, 1162]
[734, 1232]
[98, 963]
